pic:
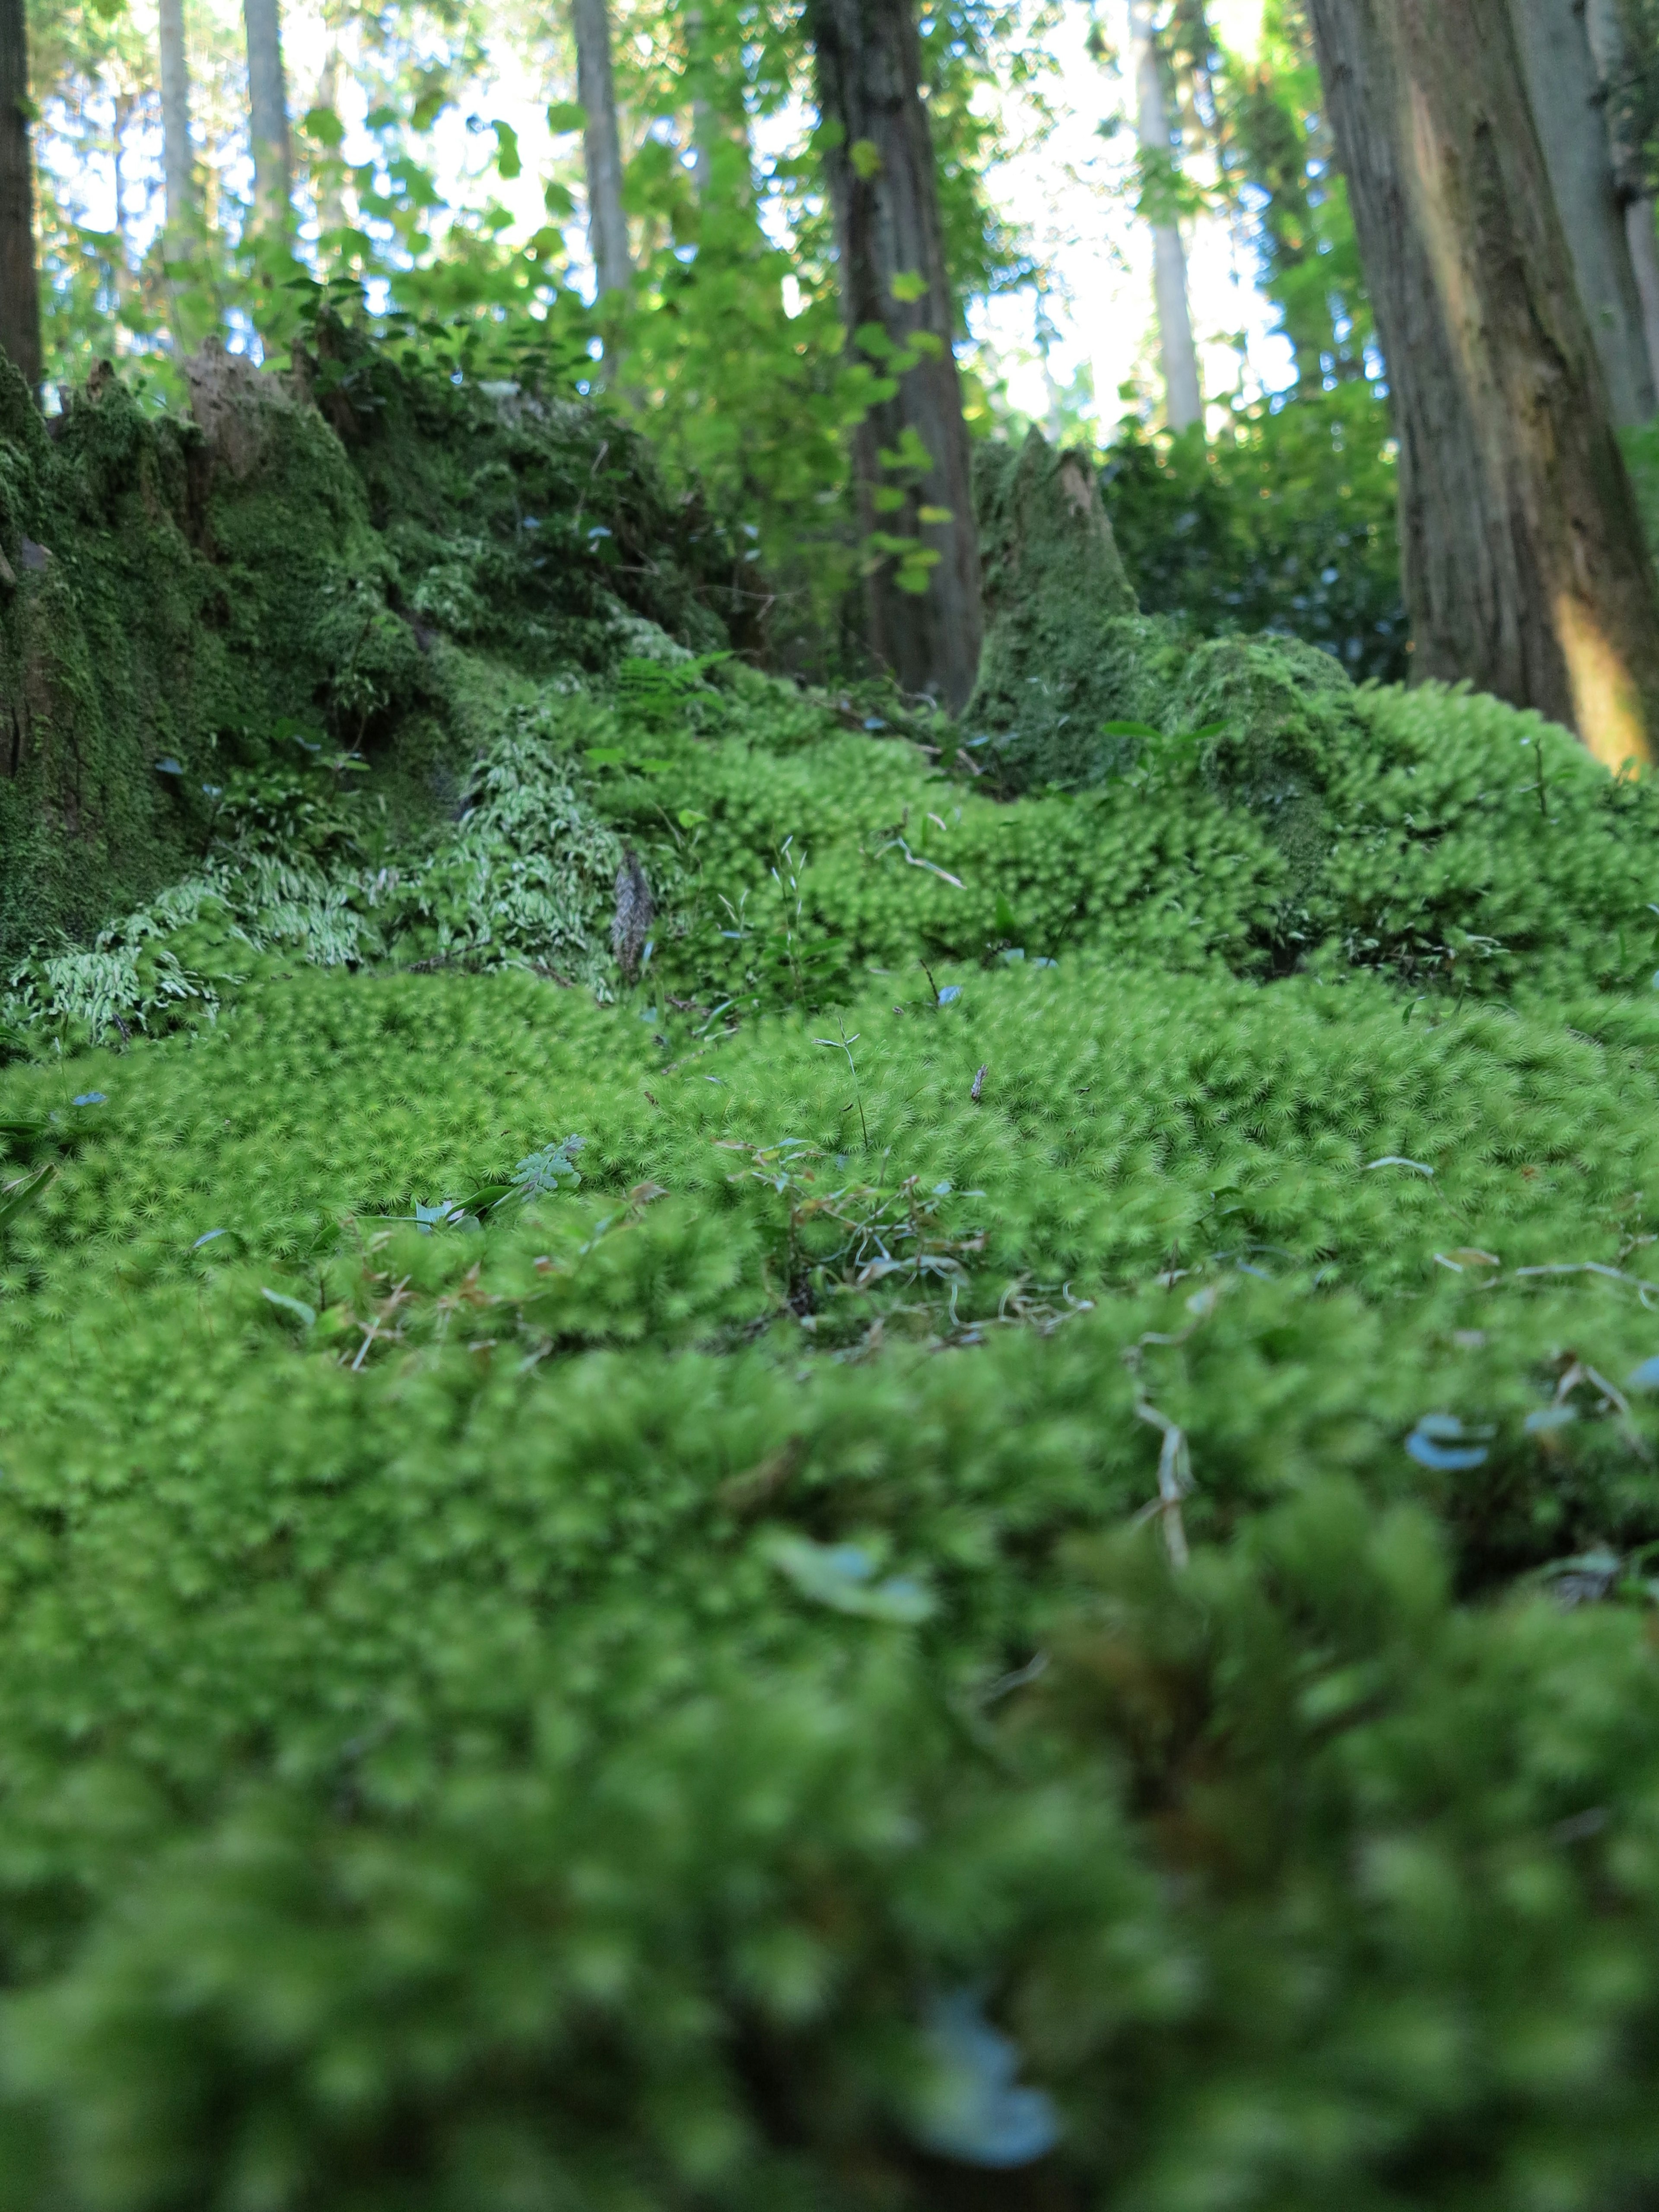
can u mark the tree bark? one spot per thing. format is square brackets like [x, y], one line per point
[910, 454]
[607, 225]
[1569, 106]
[267, 100]
[178, 156]
[1604, 23]
[1183, 399]
[1521, 545]
[19, 282]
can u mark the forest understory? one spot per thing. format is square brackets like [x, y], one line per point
[757, 1449]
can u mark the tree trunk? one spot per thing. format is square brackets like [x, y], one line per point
[121, 266]
[705, 125]
[331, 200]
[1568, 105]
[607, 225]
[19, 282]
[1184, 399]
[910, 454]
[1604, 23]
[178, 156]
[1521, 545]
[267, 101]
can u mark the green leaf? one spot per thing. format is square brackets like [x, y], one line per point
[866, 156]
[508, 163]
[305, 1314]
[323, 124]
[566, 115]
[17, 1196]
[908, 284]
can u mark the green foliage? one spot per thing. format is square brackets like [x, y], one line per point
[1278, 163]
[1287, 523]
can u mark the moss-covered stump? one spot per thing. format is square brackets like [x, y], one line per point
[176, 590]
[1071, 669]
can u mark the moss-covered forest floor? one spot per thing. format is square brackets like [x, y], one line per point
[752, 1454]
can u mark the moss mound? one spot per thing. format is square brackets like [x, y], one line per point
[731, 1477]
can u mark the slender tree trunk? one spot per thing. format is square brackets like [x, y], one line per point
[1521, 544]
[1184, 399]
[19, 282]
[123, 105]
[705, 122]
[722, 156]
[267, 101]
[331, 201]
[178, 156]
[1604, 23]
[607, 225]
[910, 453]
[1568, 105]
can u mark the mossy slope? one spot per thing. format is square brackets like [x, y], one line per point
[986, 1541]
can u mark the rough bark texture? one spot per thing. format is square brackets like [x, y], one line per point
[267, 101]
[20, 292]
[607, 225]
[1184, 400]
[1521, 544]
[1569, 106]
[911, 453]
[1604, 27]
[177, 154]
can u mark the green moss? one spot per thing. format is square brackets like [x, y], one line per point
[1030, 1457]
[207, 582]
[526, 1673]
[1064, 650]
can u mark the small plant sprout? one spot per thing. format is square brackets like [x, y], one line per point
[845, 1043]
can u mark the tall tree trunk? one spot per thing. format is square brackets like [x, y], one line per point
[267, 101]
[1604, 21]
[705, 122]
[1184, 399]
[331, 200]
[19, 282]
[910, 454]
[1276, 151]
[1521, 545]
[607, 225]
[178, 156]
[122, 104]
[1568, 105]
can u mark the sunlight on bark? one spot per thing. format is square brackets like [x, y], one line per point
[1606, 704]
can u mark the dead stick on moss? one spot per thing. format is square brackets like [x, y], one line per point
[1175, 1479]
[979, 1082]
